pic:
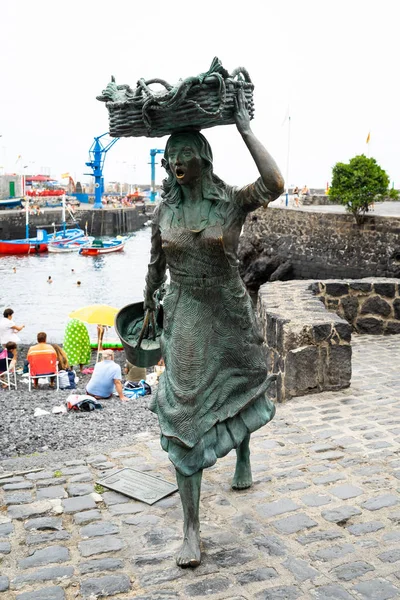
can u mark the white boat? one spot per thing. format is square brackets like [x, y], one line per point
[70, 246]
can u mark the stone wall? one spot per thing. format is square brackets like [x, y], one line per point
[307, 328]
[370, 306]
[322, 245]
[308, 347]
[106, 221]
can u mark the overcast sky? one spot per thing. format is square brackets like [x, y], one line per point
[334, 62]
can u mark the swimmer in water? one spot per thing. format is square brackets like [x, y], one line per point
[49, 280]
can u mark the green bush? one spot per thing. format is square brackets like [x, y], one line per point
[358, 184]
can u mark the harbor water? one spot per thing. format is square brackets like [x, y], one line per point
[115, 279]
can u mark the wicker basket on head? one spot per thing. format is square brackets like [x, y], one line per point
[207, 100]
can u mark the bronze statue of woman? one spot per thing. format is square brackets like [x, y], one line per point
[213, 392]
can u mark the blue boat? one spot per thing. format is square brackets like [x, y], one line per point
[11, 203]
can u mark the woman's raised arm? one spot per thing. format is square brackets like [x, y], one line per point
[267, 167]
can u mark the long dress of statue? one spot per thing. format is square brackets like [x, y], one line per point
[213, 392]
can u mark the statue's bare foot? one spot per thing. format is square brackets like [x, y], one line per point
[189, 555]
[242, 478]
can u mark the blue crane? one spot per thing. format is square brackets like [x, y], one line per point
[97, 155]
[153, 153]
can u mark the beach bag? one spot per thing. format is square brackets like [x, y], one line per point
[207, 100]
[134, 389]
[82, 402]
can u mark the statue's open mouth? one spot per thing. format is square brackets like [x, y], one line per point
[179, 173]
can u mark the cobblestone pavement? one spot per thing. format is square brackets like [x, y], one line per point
[321, 521]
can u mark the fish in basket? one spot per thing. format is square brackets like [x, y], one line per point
[199, 102]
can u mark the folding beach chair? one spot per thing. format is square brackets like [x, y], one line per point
[43, 364]
[8, 377]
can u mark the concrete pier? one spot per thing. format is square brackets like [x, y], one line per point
[107, 221]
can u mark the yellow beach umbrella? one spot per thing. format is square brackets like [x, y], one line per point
[96, 314]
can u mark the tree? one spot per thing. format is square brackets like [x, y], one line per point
[358, 184]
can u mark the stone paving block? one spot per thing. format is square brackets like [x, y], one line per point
[390, 556]
[111, 498]
[77, 504]
[7, 480]
[54, 491]
[294, 524]
[319, 536]
[392, 536]
[6, 529]
[99, 529]
[262, 574]
[18, 498]
[24, 511]
[346, 491]
[109, 585]
[49, 482]
[162, 576]
[208, 586]
[74, 463]
[236, 556]
[4, 583]
[333, 552]
[329, 478]
[293, 486]
[66, 471]
[126, 509]
[380, 502]
[330, 592]
[300, 569]
[42, 575]
[49, 593]
[315, 499]
[40, 475]
[21, 485]
[45, 538]
[341, 514]
[363, 528]
[283, 592]
[270, 544]
[80, 489]
[377, 589]
[278, 507]
[5, 547]
[81, 478]
[45, 556]
[100, 564]
[43, 523]
[352, 570]
[87, 516]
[101, 545]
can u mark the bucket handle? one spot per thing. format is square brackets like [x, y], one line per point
[149, 316]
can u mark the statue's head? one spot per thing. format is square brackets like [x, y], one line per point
[188, 158]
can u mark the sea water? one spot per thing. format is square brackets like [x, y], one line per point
[115, 279]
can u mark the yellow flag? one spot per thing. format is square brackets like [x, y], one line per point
[64, 175]
[368, 138]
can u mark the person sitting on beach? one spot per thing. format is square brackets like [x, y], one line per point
[42, 347]
[106, 375]
[62, 358]
[11, 348]
[8, 328]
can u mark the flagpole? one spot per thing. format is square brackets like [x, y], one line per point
[287, 164]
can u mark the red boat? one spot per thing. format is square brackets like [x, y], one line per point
[30, 246]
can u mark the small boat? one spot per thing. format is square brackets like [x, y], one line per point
[11, 203]
[97, 246]
[39, 243]
[69, 246]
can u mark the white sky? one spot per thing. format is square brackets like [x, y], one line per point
[335, 62]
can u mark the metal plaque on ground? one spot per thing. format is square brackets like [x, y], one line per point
[138, 485]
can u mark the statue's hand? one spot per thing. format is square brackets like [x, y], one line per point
[149, 301]
[242, 117]
[110, 93]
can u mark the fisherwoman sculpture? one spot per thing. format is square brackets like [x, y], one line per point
[213, 392]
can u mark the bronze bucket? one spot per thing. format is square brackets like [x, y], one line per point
[128, 325]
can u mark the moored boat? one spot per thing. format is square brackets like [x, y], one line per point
[39, 243]
[69, 246]
[97, 246]
[11, 203]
